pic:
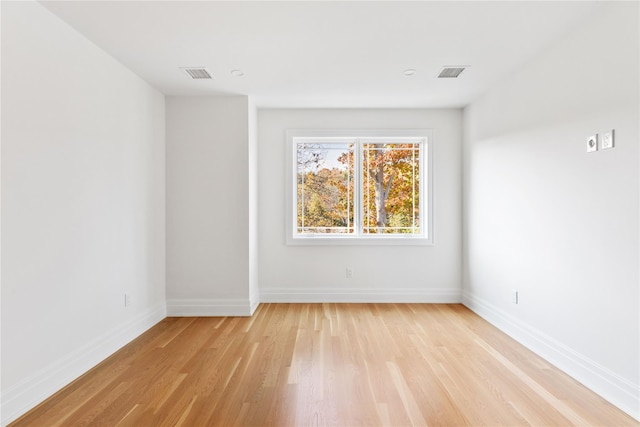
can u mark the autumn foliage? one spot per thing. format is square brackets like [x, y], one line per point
[388, 188]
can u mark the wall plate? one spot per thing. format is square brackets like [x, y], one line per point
[607, 140]
[592, 143]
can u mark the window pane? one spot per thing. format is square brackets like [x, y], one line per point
[325, 188]
[391, 188]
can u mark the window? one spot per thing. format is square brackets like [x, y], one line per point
[359, 187]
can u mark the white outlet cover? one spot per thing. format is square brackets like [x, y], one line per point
[592, 143]
[607, 140]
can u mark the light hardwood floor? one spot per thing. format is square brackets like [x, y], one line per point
[326, 365]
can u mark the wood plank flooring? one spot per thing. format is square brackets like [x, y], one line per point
[326, 365]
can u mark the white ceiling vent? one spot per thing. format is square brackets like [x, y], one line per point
[197, 73]
[451, 72]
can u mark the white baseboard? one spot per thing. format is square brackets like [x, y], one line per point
[617, 390]
[345, 295]
[255, 302]
[210, 307]
[22, 397]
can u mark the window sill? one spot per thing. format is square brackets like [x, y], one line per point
[359, 241]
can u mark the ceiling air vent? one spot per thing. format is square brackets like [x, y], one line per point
[197, 73]
[451, 72]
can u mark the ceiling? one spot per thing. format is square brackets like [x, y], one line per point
[341, 54]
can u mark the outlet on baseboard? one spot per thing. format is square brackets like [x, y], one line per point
[349, 272]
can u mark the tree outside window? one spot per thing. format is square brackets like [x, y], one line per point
[359, 187]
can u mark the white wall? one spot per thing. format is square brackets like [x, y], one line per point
[254, 291]
[83, 205]
[208, 206]
[556, 224]
[381, 273]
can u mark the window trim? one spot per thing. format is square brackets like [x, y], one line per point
[426, 199]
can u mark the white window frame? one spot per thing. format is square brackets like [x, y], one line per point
[422, 136]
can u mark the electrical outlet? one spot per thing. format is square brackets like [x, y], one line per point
[592, 143]
[607, 140]
[349, 272]
[514, 296]
[127, 299]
